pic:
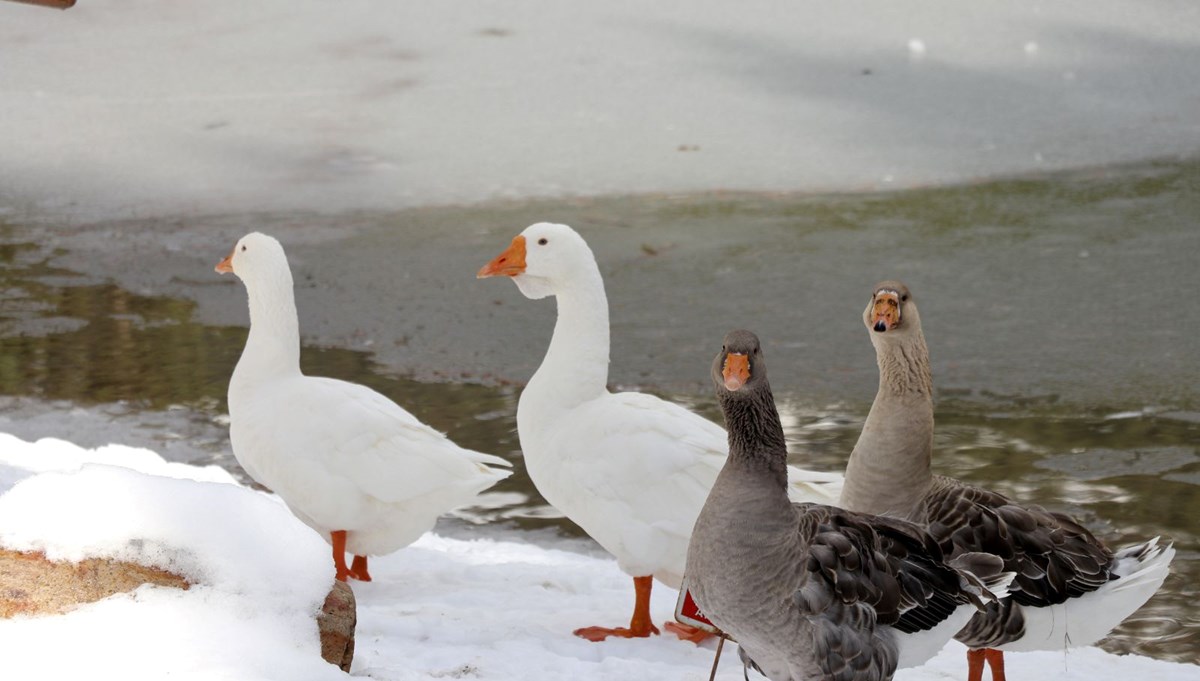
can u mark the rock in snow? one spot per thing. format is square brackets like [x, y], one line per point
[336, 622]
[32, 585]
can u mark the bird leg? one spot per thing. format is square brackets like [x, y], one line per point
[975, 664]
[338, 538]
[358, 569]
[640, 626]
[976, 658]
[995, 660]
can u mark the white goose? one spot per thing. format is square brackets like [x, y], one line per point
[630, 469]
[350, 463]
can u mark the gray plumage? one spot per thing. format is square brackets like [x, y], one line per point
[889, 471]
[810, 591]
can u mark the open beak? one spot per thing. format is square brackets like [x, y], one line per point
[885, 313]
[226, 265]
[736, 371]
[510, 263]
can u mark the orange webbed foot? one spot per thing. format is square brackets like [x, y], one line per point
[688, 633]
[597, 634]
[640, 625]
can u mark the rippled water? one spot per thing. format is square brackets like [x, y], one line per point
[1129, 471]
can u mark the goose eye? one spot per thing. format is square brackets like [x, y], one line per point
[904, 298]
[543, 241]
[243, 248]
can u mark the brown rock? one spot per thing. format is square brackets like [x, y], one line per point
[32, 585]
[336, 623]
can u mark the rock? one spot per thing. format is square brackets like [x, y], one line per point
[30, 584]
[336, 623]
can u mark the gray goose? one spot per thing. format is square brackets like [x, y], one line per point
[812, 591]
[1070, 590]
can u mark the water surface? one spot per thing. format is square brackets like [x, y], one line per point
[1057, 309]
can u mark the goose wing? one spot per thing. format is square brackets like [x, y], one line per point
[645, 459]
[327, 429]
[1054, 557]
[866, 571]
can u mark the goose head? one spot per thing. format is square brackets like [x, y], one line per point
[892, 312]
[255, 257]
[542, 260]
[739, 370]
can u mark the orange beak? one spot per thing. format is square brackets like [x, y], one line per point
[510, 263]
[885, 314]
[226, 265]
[736, 371]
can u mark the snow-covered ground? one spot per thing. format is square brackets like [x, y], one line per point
[496, 608]
[143, 107]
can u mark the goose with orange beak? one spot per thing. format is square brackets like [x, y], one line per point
[809, 591]
[1070, 590]
[631, 469]
[350, 463]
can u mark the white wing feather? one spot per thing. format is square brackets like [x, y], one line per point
[343, 456]
[634, 471]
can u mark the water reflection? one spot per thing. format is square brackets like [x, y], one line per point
[1128, 476]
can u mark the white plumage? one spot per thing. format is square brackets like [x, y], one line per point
[342, 456]
[1086, 619]
[631, 469]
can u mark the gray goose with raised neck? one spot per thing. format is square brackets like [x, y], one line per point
[812, 591]
[1070, 590]
[889, 469]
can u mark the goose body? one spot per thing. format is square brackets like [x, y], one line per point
[1071, 589]
[809, 591]
[350, 463]
[631, 469]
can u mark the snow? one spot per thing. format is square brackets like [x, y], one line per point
[490, 608]
[136, 107]
[258, 576]
[20, 459]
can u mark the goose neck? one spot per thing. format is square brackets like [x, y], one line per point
[575, 368]
[904, 367]
[756, 439]
[273, 345]
[889, 470]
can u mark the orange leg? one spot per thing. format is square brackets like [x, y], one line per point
[358, 569]
[640, 626]
[975, 664]
[339, 555]
[995, 660]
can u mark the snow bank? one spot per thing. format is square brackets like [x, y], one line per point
[20, 459]
[259, 576]
[495, 608]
